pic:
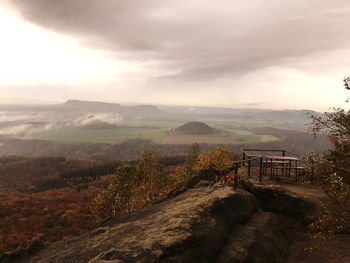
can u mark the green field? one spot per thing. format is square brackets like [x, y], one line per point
[160, 124]
[249, 137]
[113, 136]
[224, 137]
[158, 135]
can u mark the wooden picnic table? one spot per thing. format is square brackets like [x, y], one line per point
[281, 158]
[274, 159]
[282, 162]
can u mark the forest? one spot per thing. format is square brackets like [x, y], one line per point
[51, 197]
[54, 197]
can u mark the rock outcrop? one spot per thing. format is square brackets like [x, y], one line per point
[261, 239]
[201, 222]
[277, 199]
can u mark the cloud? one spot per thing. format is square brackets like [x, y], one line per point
[92, 118]
[22, 123]
[202, 39]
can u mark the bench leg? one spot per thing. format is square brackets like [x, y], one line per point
[272, 173]
[303, 176]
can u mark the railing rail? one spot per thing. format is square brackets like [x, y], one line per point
[246, 152]
[246, 160]
[263, 150]
[295, 154]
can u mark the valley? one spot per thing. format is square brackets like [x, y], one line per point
[106, 125]
[57, 160]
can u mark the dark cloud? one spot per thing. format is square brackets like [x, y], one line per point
[201, 39]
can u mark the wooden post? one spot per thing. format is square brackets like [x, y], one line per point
[283, 153]
[312, 171]
[243, 157]
[261, 170]
[249, 169]
[235, 178]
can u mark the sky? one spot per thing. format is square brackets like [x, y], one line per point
[277, 54]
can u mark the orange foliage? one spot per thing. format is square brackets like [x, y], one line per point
[134, 186]
[52, 214]
[221, 160]
[228, 179]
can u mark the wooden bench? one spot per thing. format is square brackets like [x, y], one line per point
[299, 171]
[270, 164]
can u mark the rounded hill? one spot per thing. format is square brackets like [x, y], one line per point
[196, 127]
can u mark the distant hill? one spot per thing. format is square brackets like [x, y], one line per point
[196, 127]
[91, 105]
[138, 112]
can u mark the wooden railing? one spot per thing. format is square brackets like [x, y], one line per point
[247, 153]
[238, 165]
[248, 162]
[295, 154]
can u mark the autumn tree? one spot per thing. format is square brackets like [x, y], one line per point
[119, 194]
[220, 161]
[331, 169]
[191, 160]
[150, 173]
[142, 183]
[133, 185]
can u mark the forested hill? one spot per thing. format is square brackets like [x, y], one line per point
[196, 127]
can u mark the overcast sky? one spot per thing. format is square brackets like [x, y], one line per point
[255, 54]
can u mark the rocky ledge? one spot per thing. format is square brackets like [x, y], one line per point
[204, 223]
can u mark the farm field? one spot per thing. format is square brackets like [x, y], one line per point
[189, 139]
[225, 137]
[142, 123]
[112, 136]
[250, 137]
[157, 135]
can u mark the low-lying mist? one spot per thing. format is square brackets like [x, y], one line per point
[23, 124]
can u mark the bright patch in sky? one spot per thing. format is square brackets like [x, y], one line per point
[31, 55]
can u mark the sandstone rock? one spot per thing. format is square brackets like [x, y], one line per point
[23, 252]
[260, 240]
[191, 227]
[206, 177]
[277, 199]
[199, 222]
